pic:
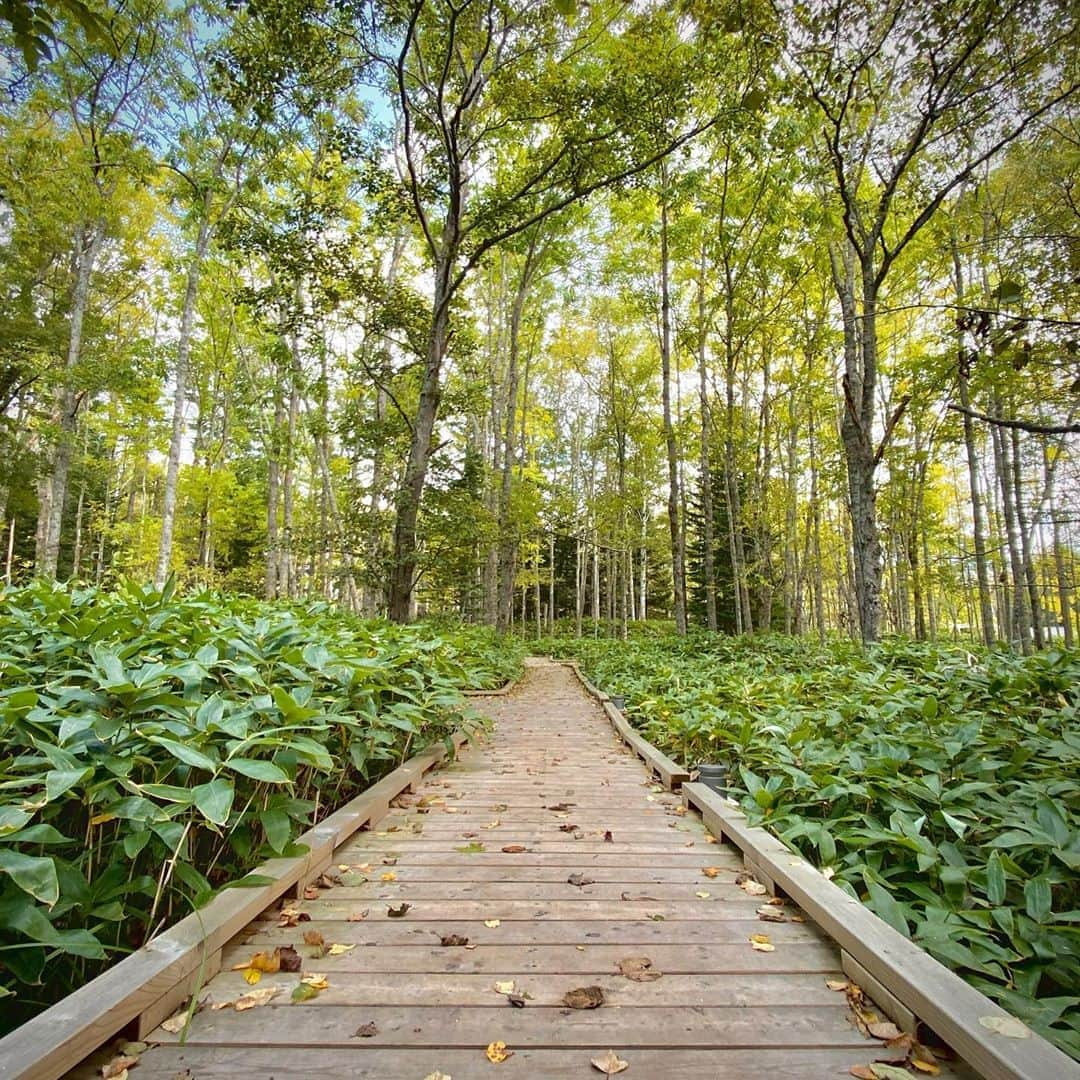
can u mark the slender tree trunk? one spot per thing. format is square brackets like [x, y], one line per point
[52, 491]
[180, 377]
[1020, 616]
[708, 524]
[405, 563]
[678, 572]
[1025, 540]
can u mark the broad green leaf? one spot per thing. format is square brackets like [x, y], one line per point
[885, 907]
[995, 880]
[258, 770]
[214, 800]
[1037, 898]
[33, 874]
[187, 754]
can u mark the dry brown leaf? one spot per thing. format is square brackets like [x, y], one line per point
[751, 887]
[366, 1031]
[580, 880]
[609, 1064]
[357, 916]
[836, 984]
[398, 912]
[497, 1052]
[314, 938]
[584, 997]
[255, 998]
[118, 1067]
[709, 838]
[291, 916]
[771, 914]
[290, 959]
[638, 969]
[884, 1030]
[608, 839]
[711, 871]
[175, 1023]
[863, 1072]
[453, 939]
[493, 824]
[514, 849]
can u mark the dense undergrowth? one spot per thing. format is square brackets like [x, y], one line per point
[938, 785]
[154, 748]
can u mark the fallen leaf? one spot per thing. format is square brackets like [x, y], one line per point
[315, 938]
[638, 969]
[493, 824]
[888, 1072]
[252, 976]
[709, 838]
[255, 998]
[290, 959]
[497, 1053]
[656, 917]
[680, 811]
[609, 1064]
[390, 860]
[453, 939]
[506, 987]
[175, 1023]
[438, 1076]
[491, 923]
[290, 917]
[388, 876]
[836, 984]
[328, 881]
[703, 895]
[568, 828]
[364, 867]
[397, 912]
[1008, 1026]
[884, 1030]
[471, 849]
[584, 997]
[751, 887]
[711, 871]
[313, 979]
[118, 1067]
[366, 1031]
[358, 916]
[927, 1067]
[770, 914]
[761, 943]
[514, 849]
[339, 950]
[450, 809]
[862, 1072]
[561, 807]
[500, 808]
[261, 962]
[607, 837]
[303, 992]
[580, 880]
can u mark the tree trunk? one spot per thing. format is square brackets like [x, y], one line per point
[53, 489]
[183, 357]
[678, 573]
[708, 524]
[403, 571]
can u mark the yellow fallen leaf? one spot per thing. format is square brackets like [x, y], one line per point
[497, 1052]
[703, 895]
[175, 1023]
[388, 876]
[505, 987]
[761, 943]
[491, 923]
[344, 866]
[836, 984]
[339, 950]
[709, 838]
[926, 1067]
[315, 981]
[438, 1076]
[580, 948]
[261, 961]
[252, 976]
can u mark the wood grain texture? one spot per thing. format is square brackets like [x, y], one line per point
[614, 868]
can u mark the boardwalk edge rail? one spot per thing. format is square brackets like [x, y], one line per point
[904, 980]
[150, 984]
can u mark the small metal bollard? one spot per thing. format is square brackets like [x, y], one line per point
[618, 701]
[714, 777]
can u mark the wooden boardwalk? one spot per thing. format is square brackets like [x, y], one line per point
[549, 849]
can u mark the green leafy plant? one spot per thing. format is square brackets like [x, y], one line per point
[936, 784]
[156, 748]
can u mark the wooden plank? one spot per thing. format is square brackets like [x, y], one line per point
[335, 1025]
[535, 891]
[546, 989]
[362, 1062]
[888, 1003]
[706, 958]
[632, 934]
[939, 997]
